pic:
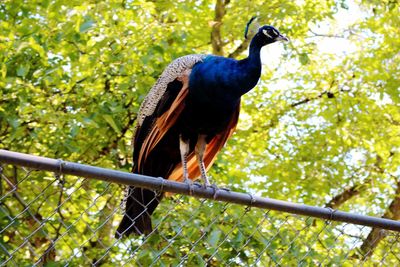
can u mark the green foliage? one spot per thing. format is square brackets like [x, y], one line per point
[73, 74]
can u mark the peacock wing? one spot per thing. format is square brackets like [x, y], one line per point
[161, 107]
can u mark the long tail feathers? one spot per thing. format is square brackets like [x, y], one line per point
[140, 204]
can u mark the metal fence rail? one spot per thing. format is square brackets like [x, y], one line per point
[47, 216]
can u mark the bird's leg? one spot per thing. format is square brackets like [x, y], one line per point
[184, 149]
[199, 150]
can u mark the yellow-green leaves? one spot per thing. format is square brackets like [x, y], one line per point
[325, 116]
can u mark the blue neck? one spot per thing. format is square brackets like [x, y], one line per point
[251, 66]
[254, 51]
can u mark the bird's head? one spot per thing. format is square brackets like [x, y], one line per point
[265, 34]
[269, 34]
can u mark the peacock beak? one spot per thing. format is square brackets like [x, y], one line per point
[282, 38]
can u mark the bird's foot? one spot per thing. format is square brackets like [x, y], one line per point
[216, 189]
[198, 184]
[205, 185]
[190, 185]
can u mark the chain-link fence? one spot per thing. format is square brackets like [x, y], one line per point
[54, 219]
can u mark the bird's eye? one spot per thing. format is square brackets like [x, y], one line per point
[267, 33]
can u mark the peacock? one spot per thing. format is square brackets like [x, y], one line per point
[186, 119]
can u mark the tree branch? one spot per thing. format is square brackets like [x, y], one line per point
[306, 100]
[216, 40]
[50, 254]
[114, 143]
[324, 35]
[242, 47]
[356, 189]
[377, 234]
[34, 220]
[347, 194]
[104, 233]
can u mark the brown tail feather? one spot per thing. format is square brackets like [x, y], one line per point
[140, 204]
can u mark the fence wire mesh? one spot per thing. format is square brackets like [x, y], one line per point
[50, 218]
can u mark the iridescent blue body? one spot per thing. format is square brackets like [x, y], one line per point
[215, 88]
[206, 117]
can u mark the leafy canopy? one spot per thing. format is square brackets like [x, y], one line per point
[73, 74]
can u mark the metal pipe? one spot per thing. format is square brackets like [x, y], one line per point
[82, 170]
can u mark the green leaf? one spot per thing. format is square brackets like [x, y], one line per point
[304, 59]
[23, 70]
[86, 25]
[214, 237]
[3, 70]
[110, 120]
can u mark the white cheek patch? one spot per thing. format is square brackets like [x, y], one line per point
[266, 33]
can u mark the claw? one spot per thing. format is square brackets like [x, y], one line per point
[197, 184]
[190, 185]
[205, 186]
[216, 189]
